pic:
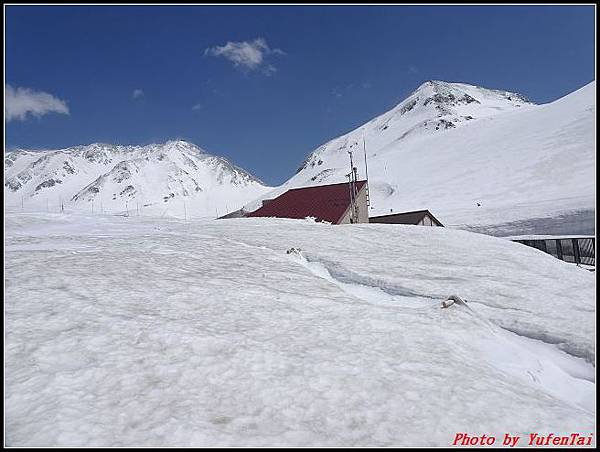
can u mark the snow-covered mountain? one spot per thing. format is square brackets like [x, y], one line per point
[176, 178]
[471, 155]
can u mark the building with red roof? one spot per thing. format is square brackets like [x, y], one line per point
[329, 203]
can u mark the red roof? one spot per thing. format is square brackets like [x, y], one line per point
[324, 202]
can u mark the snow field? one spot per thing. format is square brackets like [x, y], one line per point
[132, 331]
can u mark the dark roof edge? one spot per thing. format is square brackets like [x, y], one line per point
[402, 213]
[409, 213]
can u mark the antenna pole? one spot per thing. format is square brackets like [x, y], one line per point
[366, 170]
[365, 152]
[352, 185]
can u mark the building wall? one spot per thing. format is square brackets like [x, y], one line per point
[426, 221]
[363, 212]
[235, 214]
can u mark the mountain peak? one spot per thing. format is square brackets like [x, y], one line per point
[432, 83]
[178, 143]
[449, 91]
[434, 107]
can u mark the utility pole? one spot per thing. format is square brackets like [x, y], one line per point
[22, 203]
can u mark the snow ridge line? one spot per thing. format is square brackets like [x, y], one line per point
[363, 288]
[569, 349]
[547, 338]
[346, 276]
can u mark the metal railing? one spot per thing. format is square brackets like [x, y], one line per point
[578, 250]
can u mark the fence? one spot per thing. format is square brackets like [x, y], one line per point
[578, 250]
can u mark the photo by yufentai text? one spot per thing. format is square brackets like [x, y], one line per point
[532, 439]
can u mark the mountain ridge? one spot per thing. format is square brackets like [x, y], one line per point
[174, 172]
[472, 155]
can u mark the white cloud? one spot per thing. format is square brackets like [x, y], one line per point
[197, 107]
[247, 55]
[22, 101]
[137, 93]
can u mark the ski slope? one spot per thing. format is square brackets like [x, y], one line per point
[474, 157]
[133, 331]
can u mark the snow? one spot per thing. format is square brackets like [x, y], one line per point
[137, 331]
[548, 237]
[518, 160]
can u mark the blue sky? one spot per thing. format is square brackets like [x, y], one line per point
[290, 78]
